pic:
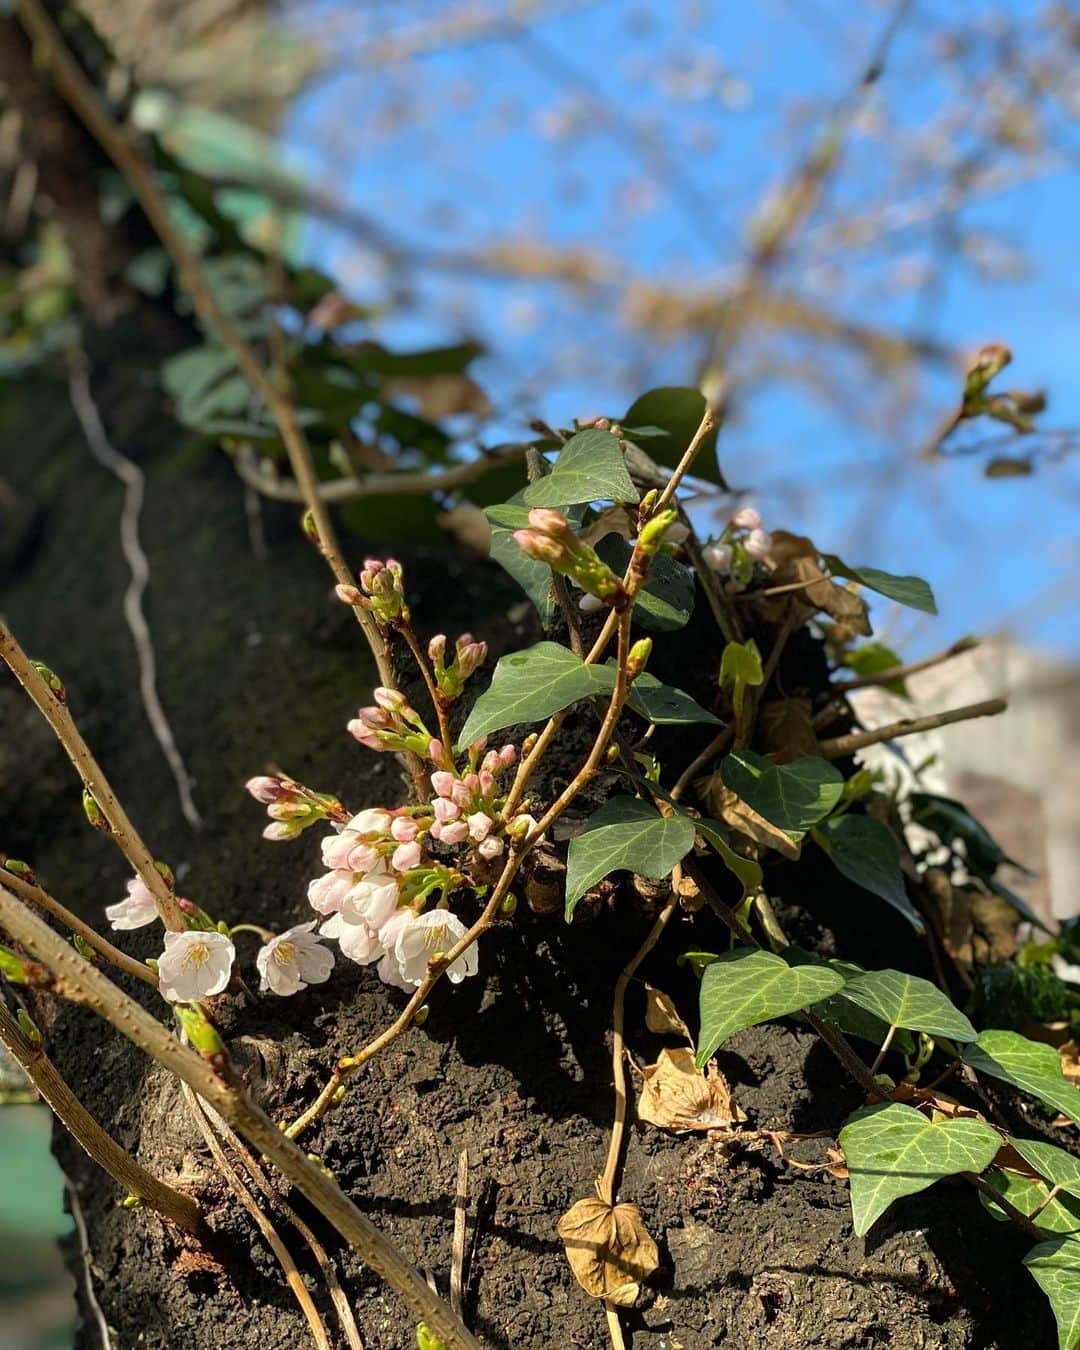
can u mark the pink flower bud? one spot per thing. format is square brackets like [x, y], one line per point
[491, 847]
[361, 858]
[746, 518]
[443, 782]
[445, 810]
[460, 792]
[718, 557]
[437, 649]
[487, 784]
[282, 829]
[435, 750]
[348, 595]
[507, 756]
[404, 829]
[471, 781]
[405, 856]
[391, 700]
[490, 763]
[188, 906]
[265, 789]
[539, 546]
[758, 544]
[480, 826]
[454, 833]
[548, 520]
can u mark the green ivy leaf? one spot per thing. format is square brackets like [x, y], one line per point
[871, 658]
[864, 850]
[664, 704]
[793, 797]
[666, 419]
[744, 987]
[907, 1001]
[1030, 1066]
[667, 600]
[747, 871]
[1058, 1167]
[1028, 1194]
[893, 1150]
[625, 834]
[529, 685]
[910, 591]
[1055, 1268]
[589, 468]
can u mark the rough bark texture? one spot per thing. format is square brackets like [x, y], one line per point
[259, 665]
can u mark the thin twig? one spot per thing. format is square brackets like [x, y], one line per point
[457, 1251]
[171, 1204]
[840, 746]
[79, 1219]
[293, 1277]
[895, 673]
[880, 1056]
[231, 1100]
[134, 484]
[94, 780]
[28, 891]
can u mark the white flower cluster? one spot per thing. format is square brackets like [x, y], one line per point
[743, 535]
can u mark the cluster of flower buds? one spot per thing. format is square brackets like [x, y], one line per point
[290, 806]
[392, 723]
[549, 539]
[742, 543]
[469, 656]
[467, 809]
[381, 591]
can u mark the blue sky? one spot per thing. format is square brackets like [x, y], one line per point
[551, 137]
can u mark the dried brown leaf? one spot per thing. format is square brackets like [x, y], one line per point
[661, 1015]
[1070, 1061]
[677, 1096]
[786, 546]
[440, 395]
[609, 1249]
[731, 808]
[611, 520]
[822, 593]
[787, 728]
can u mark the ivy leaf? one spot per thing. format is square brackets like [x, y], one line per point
[667, 418]
[850, 1018]
[529, 685]
[793, 797]
[667, 600]
[589, 468]
[910, 591]
[951, 820]
[871, 658]
[745, 986]
[625, 834]
[747, 871]
[907, 1001]
[1058, 1167]
[864, 850]
[1028, 1194]
[664, 704]
[893, 1150]
[1030, 1066]
[1055, 1268]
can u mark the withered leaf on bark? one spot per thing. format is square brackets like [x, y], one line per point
[822, 593]
[677, 1096]
[661, 1014]
[731, 808]
[609, 1249]
[787, 728]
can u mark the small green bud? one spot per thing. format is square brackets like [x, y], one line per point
[645, 506]
[421, 1015]
[94, 813]
[309, 528]
[29, 1029]
[653, 531]
[200, 1031]
[56, 685]
[12, 966]
[509, 904]
[18, 869]
[165, 871]
[131, 1201]
[637, 658]
[84, 949]
[339, 1095]
[427, 1340]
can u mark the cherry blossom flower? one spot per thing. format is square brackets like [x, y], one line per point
[758, 544]
[718, 557]
[293, 960]
[326, 893]
[136, 911]
[372, 900]
[491, 847]
[358, 941]
[479, 825]
[746, 518]
[194, 965]
[424, 935]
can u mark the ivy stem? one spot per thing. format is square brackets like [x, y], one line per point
[173, 1205]
[884, 1049]
[94, 780]
[235, 1106]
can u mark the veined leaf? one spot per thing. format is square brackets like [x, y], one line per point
[744, 987]
[1055, 1268]
[590, 467]
[530, 685]
[1030, 1066]
[910, 591]
[864, 850]
[1028, 1194]
[666, 602]
[625, 834]
[893, 1150]
[748, 871]
[904, 1000]
[1058, 1167]
[664, 704]
[793, 797]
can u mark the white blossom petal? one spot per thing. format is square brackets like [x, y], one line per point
[194, 965]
